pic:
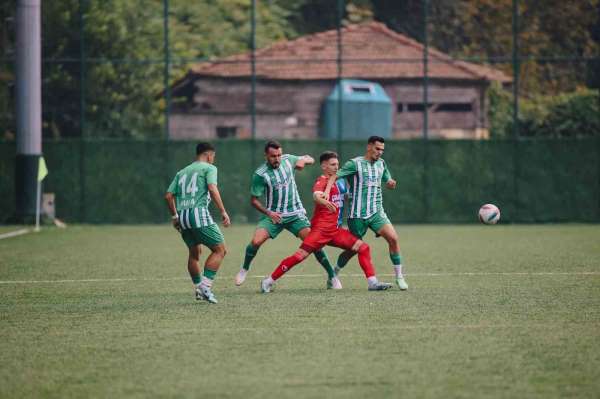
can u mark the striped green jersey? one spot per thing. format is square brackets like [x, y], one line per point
[190, 188]
[278, 186]
[365, 180]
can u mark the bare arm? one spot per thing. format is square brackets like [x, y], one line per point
[319, 198]
[303, 161]
[255, 202]
[170, 199]
[322, 197]
[216, 196]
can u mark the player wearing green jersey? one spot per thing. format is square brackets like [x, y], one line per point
[365, 175]
[283, 208]
[188, 197]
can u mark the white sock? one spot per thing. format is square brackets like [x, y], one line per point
[206, 282]
[398, 270]
[243, 271]
[269, 280]
[372, 280]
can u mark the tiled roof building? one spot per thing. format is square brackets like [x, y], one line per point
[296, 75]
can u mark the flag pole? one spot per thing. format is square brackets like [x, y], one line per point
[38, 206]
[42, 173]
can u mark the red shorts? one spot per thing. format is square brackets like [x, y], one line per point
[317, 239]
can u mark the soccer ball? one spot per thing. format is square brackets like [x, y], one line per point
[489, 214]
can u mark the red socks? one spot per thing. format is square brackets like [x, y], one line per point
[364, 260]
[286, 265]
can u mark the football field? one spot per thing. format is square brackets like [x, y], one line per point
[492, 311]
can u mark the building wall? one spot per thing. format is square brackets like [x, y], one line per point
[292, 109]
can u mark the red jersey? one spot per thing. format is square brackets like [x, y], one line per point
[323, 218]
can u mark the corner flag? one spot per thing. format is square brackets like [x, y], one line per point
[42, 170]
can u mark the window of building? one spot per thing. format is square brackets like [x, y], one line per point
[454, 107]
[417, 107]
[226, 132]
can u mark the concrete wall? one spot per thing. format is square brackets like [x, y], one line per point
[292, 109]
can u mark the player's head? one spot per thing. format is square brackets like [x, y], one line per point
[273, 153]
[207, 151]
[329, 162]
[375, 147]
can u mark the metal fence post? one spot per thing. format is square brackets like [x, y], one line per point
[426, 169]
[425, 70]
[167, 68]
[340, 116]
[82, 105]
[516, 66]
[253, 80]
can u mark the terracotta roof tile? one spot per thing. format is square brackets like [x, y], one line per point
[369, 51]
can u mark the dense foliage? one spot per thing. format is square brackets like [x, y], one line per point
[114, 92]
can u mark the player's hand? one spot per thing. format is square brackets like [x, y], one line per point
[275, 217]
[226, 220]
[176, 224]
[391, 184]
[331, 206]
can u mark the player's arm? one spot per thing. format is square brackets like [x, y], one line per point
[387, 178]
[257, 190]
[348, 169]
[215, 195]
[256, 204]
[303, 161]
[170, 199]
[321, 194]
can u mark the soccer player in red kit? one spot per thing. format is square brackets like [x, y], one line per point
[325, 230]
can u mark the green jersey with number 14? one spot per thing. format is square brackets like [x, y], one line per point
[190, 188]
[365, 178]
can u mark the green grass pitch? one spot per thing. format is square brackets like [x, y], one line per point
[492, 311]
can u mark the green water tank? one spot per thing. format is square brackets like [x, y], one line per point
[366, 111]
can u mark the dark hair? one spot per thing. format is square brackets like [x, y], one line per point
[201, 148]
[327, 155]
[272, 144]
[373, 139]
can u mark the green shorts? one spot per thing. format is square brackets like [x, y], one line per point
[358, 226]
[293, 224]
[209, 236]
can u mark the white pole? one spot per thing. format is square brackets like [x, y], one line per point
[38, 206]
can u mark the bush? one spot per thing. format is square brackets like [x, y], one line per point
[575, 114]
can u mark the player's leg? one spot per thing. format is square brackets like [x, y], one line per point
[266, 229]
[332, 281]
[358, 227]
[387, 231]
[266, 285]
[311, 243]
[346, 240]
[194, 263]
[212, 237]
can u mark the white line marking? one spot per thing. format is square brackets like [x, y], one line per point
[118, 280]
[14, 233]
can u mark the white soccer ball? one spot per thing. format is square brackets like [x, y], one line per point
[489, 214]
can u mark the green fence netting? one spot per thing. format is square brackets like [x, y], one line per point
[123, 181]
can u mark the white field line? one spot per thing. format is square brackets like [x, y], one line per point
[117, 280]
[14, 233]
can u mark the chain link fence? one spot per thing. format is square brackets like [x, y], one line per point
[127, 84]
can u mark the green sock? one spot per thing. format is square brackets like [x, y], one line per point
[396, 259]
[250, 254]
[209, 274]
[343, 259]
[196, 279]
[324, 261]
